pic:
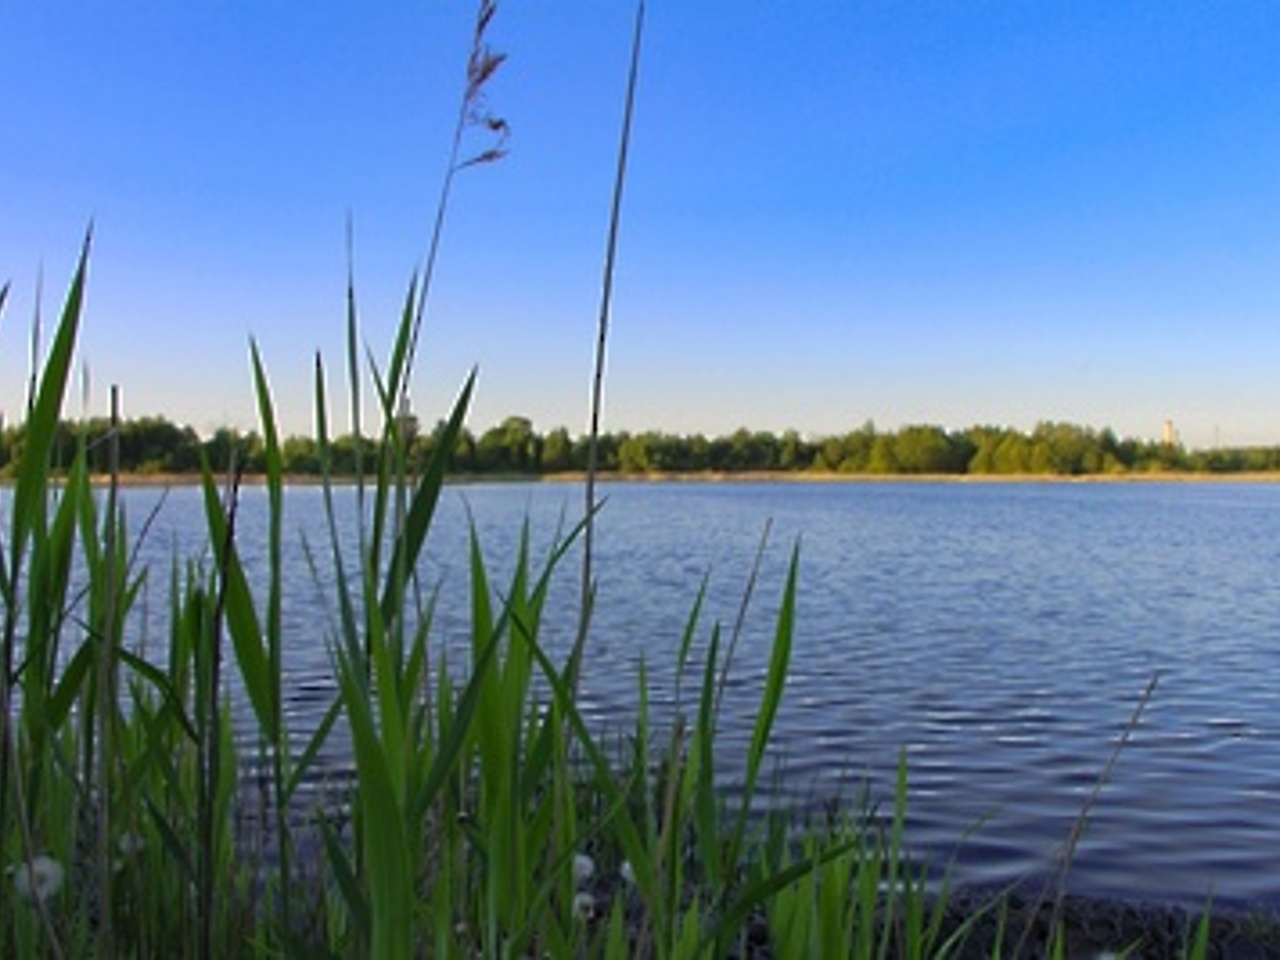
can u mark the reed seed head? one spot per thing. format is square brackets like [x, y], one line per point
[37, 880]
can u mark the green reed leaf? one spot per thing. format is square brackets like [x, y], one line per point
[239, 610]
[171, 841]
[409, 541]
[346, 607]
[42, 423]
[348, 885]
[706, 803]
[302, 765]
[386, 859]
[69, 685]
[397, 369]
[758, 892]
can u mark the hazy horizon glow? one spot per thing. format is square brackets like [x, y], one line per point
[836, 212]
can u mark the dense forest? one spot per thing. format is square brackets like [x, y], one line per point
[154, 445]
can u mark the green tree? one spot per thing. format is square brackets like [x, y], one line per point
[299, 456]
[557, 451]
[633, 453]
[510, 447]
[793, 452]
[1012, 454]
[883, 457]
[925, 449]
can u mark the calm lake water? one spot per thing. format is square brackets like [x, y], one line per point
[1001, 635]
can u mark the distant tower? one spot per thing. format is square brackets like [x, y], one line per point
[1170, 433]
[406, 422]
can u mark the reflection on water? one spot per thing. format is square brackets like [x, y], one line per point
[999, 636]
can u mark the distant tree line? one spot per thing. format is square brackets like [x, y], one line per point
[153, 445]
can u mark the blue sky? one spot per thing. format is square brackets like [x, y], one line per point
[949, 213]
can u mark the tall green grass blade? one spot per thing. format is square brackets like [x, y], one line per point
[629, 836]
[30, 489]
[346, 606]
[736, 914]
[239, 609]
[706, 805]
[894, 855]
[277, 736]
[348, 885]
[397, 368]
[771, 697]
[69, 686]
[686, 637]
[386, 855]
[301, 766]
[779, 664]
[172, 842]
[409, 541]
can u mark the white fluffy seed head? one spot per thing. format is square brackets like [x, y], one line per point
[628, 874]
[584, 868]
[38, 880]
[584, 906]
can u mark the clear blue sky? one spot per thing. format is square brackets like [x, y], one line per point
[949, 213]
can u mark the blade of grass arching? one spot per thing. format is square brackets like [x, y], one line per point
[408, 543]
[597, 385]
[741, 619]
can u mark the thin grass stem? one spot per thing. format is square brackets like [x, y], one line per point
[602, 336]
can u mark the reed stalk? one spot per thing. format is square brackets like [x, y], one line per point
[602, 335]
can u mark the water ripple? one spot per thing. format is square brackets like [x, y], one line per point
[999, 637]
